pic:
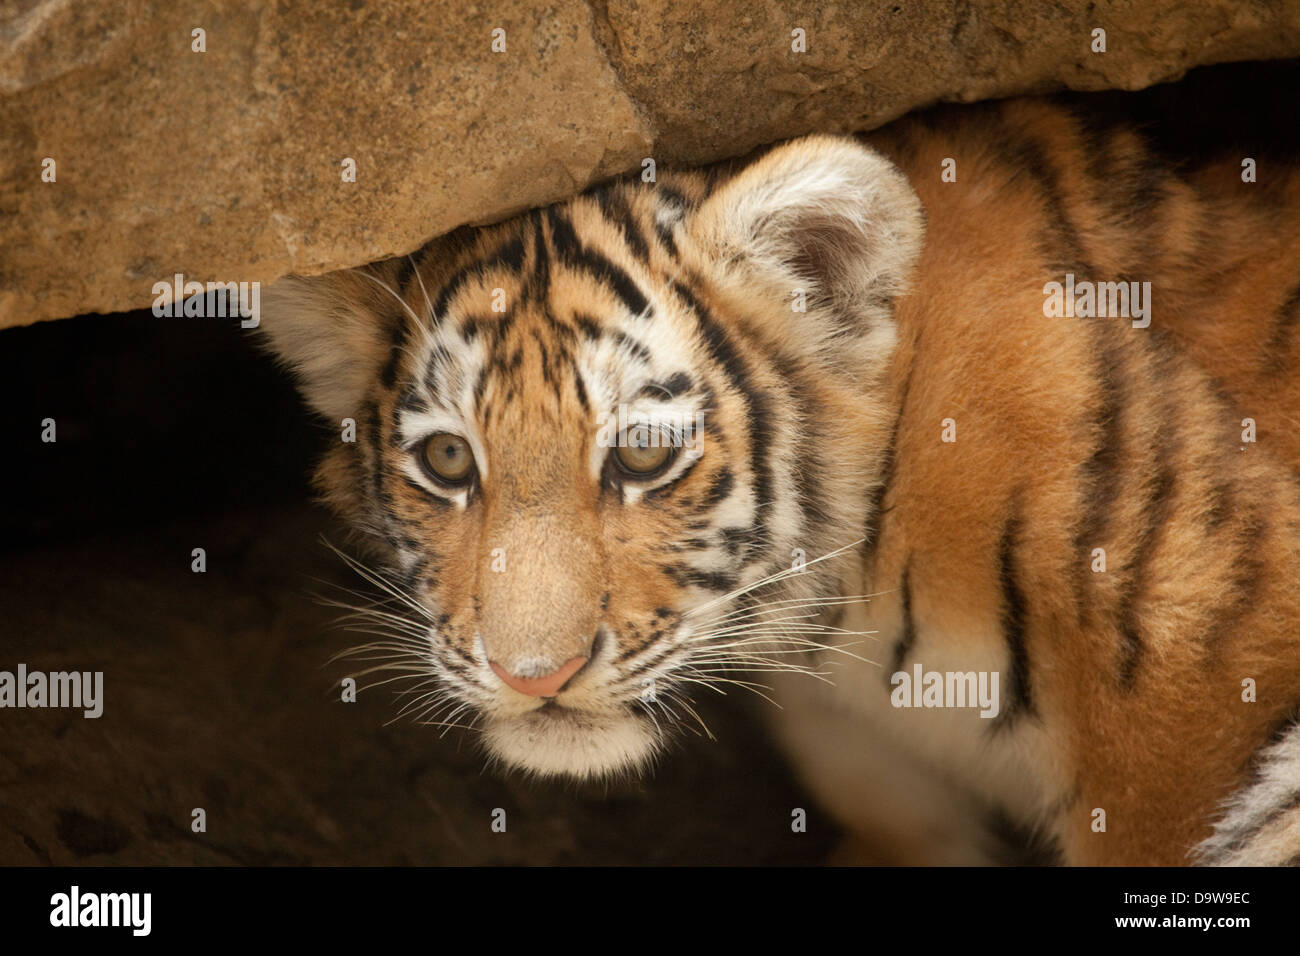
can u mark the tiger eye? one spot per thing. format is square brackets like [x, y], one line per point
[449, 457]
[640, 456]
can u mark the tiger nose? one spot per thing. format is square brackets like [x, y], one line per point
[548, 685]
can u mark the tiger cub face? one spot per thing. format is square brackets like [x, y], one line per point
[601, 446]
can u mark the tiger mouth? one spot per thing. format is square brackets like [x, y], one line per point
[561, 740]
[551, 708]
[552, 711]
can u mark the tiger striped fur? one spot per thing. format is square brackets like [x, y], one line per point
[1123, 691]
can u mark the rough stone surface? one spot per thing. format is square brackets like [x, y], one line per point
[226, 165]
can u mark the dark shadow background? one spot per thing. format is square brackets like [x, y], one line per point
[177, 433]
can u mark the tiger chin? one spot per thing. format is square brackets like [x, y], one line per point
[802, 422]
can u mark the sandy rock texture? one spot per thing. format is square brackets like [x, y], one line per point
[227, 164]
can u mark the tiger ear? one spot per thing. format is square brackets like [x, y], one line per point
[334, 332]
[825, 218]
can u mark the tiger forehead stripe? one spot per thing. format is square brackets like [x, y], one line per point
[510, 255]
[570, 250]
[539, 281]
[615, 208]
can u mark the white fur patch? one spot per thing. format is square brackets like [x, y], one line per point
[1261, 823]
[570, 743]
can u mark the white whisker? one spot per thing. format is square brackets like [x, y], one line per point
[774, 578]
[389, 289]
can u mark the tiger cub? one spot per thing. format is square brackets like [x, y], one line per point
[976, 440]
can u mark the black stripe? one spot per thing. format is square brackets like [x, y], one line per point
[722, 351]
[715, 175]
[676, 202]
[675, 385]
[1017, 843]
[395, 425]
[625, 341]
[380, 495]
[1278, 348]
[665, 234]
[463, 655]
[614, 206]
[449, 289]
[398, 333]
[509, 254]
[563, 330]
[719, 581]
[580, 389]
[1156, 512]
[1097, 134]
[736, 540]
[1220, 497]
[588, 326]
[1025, 156]
[663, 490]
[741, 540]
[807, 471]
[499, 326]
[628, 650]
[908, 637]
[388, 374]
[539, 282]
[1149, 193]
[426, 494]
[1157, 507]
[438, 360]
[373, 439]
[1248, 570]
[1130, 183]
[1100, 474]
[405, 269]
[573, 254]
[544, 355]
[1014, 625]
[876, 506]
[719, 489]
[673, 199]
[1131, 647]
[470, 327]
